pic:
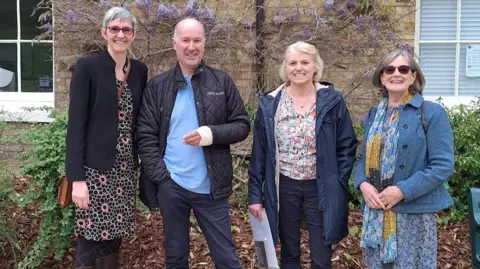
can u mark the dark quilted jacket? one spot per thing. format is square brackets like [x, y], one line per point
[219, 106]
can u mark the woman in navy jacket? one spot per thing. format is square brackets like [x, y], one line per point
[407, 156]
[303, 151]
[101, 158]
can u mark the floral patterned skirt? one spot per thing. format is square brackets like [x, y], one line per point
[416, 244]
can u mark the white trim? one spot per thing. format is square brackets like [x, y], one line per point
[451, 101]
[448, 100]
[17, 106]
[457, 48]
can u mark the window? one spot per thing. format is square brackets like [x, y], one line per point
[448, 47]
[26, 65]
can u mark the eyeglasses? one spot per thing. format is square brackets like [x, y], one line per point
[115, 30]
[402, 69]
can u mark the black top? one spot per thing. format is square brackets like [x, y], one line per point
[219, 106]
[93, 113]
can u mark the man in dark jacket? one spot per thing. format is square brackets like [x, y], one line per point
[189, 117]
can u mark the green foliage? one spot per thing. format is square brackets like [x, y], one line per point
[465, 122]
[46, 160]
[8, 234]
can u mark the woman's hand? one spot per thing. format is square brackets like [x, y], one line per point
[80, 194]
[391, 196]
[371, 196]
[256, 211]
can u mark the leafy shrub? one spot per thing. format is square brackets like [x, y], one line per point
[45, 164]
[465, 122]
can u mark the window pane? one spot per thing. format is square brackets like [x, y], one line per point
[8, 68]
[438, 65]
[36, 67]
[468, 86]
[470, 25]
[438, 19]
[29, 23]
[8, 21]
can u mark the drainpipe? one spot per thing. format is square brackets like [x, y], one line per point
[260, 46]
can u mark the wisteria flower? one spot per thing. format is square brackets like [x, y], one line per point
[71, 16]
[247, 24]
[144, 6]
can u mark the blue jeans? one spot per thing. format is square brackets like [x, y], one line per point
[213, 218]
[297, 198]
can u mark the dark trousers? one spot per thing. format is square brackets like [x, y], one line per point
[213, 218]
[88, 251]
[297, 198]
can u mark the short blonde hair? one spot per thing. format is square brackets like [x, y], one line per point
[307, 48]
[418, 84]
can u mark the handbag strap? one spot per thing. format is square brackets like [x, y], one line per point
[122, 88]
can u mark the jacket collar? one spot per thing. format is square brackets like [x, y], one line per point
[179, 78]
[416, 100]
[105, 55]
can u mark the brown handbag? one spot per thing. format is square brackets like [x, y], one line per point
[64, 196]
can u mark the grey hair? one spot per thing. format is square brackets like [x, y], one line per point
[418, 84]
[118, 13]
[307, 48]
[186, 20]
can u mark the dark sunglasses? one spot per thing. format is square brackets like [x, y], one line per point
[115, 30]
[402, 69]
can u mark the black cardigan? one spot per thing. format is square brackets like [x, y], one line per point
[93, 113]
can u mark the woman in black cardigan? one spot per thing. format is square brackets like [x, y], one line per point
[101, 157]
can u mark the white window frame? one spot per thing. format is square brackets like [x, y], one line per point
[16, 106]
[449, 101]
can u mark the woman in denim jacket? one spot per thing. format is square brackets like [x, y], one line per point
[406, 157]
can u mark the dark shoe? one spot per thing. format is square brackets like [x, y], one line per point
[110, 261]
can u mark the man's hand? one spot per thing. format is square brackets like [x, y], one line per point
[391, 196]
[256, 211]
[371, 196]
[193, 139]
[80, 194]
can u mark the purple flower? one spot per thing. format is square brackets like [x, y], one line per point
[205, 14]
[167, 13]
[351, 4]
[47, 27]
[307, 33]
[281, 13]
[277, 20]
[144, 6]
[71, 16]
[341, 8]
[295, 15]
[329, 5]
[247, 24]
[390, 37]
[407, 48]
[368, 74]
[360, 22]
[321, 20]
[190, 8]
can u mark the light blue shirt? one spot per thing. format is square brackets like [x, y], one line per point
[185, 163]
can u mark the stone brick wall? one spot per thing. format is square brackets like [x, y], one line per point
[239, 64]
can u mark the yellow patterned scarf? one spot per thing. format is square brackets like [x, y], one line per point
[379, 227]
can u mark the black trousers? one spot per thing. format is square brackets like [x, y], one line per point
[213, 218]
[88, 251]
[297, 198]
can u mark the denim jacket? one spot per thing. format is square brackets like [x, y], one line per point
[425, 159]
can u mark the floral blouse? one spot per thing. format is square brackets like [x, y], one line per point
[295, 137]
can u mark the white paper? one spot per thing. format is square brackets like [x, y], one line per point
[264, 247]
[473, 61]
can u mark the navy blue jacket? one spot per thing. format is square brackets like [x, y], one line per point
[425, 160]
[335, 148]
